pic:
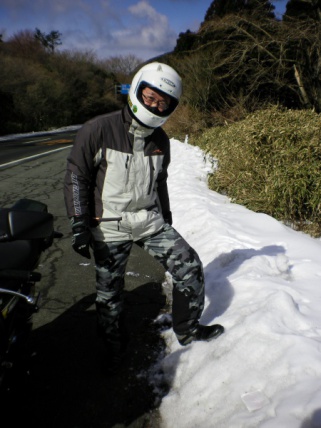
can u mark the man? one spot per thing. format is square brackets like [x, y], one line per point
[117, 170]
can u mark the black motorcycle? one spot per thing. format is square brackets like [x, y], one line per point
[26, 230]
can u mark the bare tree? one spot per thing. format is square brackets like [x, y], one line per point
[122, 67]
[24, 44]
[257, 61]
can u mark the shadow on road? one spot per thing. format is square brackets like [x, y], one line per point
[68, 385]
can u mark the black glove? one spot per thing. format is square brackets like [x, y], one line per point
[168, 218]
[82, 237]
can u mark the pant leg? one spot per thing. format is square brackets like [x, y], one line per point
[110, 259]
[185, 266]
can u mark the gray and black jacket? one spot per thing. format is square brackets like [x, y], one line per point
[118, 168]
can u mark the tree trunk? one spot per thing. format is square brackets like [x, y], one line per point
[303, 93]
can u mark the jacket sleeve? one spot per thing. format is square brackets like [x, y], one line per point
[162, 189]
[80, 169]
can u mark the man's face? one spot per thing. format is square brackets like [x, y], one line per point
[152, 98]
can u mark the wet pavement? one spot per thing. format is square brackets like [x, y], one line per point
[66, 382]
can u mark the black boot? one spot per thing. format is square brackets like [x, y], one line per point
[201, 333]
[115, 340]
[116, 347]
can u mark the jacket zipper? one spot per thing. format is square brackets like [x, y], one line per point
[151, 175]
[127, 170]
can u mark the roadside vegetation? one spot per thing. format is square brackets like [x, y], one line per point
[252, 99]
[270, 162]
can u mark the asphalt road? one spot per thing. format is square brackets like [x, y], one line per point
[15, 150]
[67, 384]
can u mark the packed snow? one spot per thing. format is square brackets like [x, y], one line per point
[263, 284]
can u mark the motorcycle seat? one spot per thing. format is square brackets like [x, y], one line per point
[16, 224]
[20, 254]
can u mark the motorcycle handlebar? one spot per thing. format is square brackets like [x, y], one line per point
[28, 299]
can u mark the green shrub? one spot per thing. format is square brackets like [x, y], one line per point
[271, 162]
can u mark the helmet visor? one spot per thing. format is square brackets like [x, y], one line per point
[163, 107]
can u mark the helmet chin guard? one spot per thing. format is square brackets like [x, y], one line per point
[165, 80]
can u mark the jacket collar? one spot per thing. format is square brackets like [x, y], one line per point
[133, 126]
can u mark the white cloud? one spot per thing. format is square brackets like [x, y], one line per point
[142, 9]
[148, 30]
[105, 27]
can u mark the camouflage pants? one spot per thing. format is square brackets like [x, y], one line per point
[177, 257]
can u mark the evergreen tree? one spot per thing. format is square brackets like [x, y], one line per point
[185, 42]
[257, 8]
[49, 41]
[303, 9]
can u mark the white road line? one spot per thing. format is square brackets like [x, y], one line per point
[32, 157]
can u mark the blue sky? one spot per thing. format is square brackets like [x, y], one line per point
[144, 28]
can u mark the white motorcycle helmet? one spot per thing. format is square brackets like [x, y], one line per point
[163, 79]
